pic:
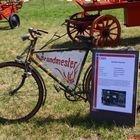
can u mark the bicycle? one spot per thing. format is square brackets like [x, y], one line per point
[22, 87]
[24, 92]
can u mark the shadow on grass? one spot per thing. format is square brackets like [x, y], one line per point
[75, 120]
[5, 28]
[69, 44]
[129, 41]
[123, 42]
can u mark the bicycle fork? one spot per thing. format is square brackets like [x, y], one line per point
[24, 76]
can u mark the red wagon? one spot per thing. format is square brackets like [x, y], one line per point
[105, 27]
[8, 10]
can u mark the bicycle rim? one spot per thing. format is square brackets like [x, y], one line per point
[23, 104]
[87, 82]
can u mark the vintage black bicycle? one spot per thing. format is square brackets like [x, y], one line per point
[23, 89]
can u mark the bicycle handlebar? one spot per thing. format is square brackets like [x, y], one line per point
[34, 32]
[43, 31]
[31, 31]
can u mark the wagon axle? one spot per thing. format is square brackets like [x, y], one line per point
[80, 28]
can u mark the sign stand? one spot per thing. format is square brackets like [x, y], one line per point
[114, 86]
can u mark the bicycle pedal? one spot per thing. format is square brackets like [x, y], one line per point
[57, 88]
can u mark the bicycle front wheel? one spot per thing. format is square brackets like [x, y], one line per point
[19, 99]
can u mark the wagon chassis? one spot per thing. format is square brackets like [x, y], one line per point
[104, 27]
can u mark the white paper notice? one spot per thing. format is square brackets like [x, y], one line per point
[114, 82]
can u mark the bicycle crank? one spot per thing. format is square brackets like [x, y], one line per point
[74, 95]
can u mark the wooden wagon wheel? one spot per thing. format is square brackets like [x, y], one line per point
[77, 28]
[107, 29]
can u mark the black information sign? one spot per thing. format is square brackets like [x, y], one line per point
[114, 86]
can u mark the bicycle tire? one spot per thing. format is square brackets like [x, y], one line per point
[16, 107]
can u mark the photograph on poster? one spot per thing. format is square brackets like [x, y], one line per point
[114, 82]
[113, 98]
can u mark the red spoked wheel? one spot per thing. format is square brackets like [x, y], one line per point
[78, 26]
[106, 29]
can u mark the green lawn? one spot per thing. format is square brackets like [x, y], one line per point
[59, 119]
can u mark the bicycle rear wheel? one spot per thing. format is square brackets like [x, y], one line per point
[19, 104]
[87, 82]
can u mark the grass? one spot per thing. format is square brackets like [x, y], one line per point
[59, 119]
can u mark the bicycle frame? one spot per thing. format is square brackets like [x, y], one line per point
[66, 79]
[62, 80]
[65, 64]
